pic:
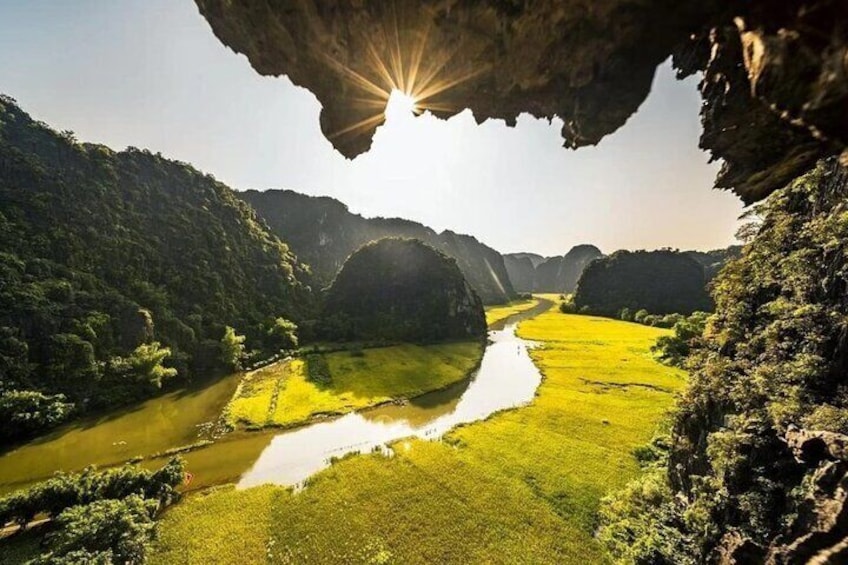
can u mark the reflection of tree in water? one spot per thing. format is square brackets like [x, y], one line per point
[422, 409]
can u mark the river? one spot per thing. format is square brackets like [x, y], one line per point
[506, 378]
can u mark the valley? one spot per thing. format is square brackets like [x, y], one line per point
[545, 465]
[455, 342]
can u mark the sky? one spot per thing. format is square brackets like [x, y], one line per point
[150, 74]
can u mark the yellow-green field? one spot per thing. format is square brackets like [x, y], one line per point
[520, 487]
[281, 394]
[500, 312]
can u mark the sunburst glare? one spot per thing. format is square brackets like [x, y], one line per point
[401, 106]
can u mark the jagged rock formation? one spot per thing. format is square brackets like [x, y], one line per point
[775, 86]
[534, 273]
[521, 271]
[560, 274]
[401, 289]
[774, 359]
[323, 233]
[817, 531]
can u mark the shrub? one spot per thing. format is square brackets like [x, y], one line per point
[674, 349]
[25, 413]
[120, 530]
[283, 335]
[232, 349]
[567, 307]
[317, 370]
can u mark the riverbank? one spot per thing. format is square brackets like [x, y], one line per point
[284, 395]
[499, 313]
[523, 485]
[175, 419]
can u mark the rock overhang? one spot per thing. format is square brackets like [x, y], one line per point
[775, 75]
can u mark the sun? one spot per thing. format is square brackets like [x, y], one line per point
[400, 106]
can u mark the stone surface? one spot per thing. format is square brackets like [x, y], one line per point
[775, 75]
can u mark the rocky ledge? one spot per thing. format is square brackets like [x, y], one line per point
[775, 74]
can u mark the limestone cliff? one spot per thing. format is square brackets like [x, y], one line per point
[323, 232]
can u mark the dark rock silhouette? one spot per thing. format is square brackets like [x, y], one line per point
[401, 290]
[323, 232]
[775, 85]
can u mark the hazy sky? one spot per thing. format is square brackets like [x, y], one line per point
[150, 73]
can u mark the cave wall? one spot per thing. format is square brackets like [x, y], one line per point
[775, 73]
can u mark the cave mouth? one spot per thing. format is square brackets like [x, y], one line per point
[774, 88]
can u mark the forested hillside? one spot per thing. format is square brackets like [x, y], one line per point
[401, 290]
[119, 270]
[661, 282]
[323, 233]
[757, 465]
[715, 259]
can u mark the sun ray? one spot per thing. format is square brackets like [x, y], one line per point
[437, 64]
[397, 54]
[359, 80]
[363, 125]
[380, 66]
[417, 57]
[441, 86]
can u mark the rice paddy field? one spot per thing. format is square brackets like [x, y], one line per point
[495, 314]
[283, 395]
[521, 487]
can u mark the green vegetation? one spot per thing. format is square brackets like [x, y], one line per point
[771, 357]
[96, 517]
[324, 233]
[293, 392]
[168, 421]
[119, 271]
[495, 314]
[526, 482]
[401, 290]
[688, 332]
[661, 282]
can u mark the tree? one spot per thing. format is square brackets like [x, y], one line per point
[146, 362]
[674, 349]
[232, 349]
[283, 335]
[119, 529]
[25, 413]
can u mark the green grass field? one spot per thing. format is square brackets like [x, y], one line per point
[520, 487]
[282, 395]
[497, 313]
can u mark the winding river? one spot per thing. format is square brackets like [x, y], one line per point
[506, 378]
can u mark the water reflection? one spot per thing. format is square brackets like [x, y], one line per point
[506, 378]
